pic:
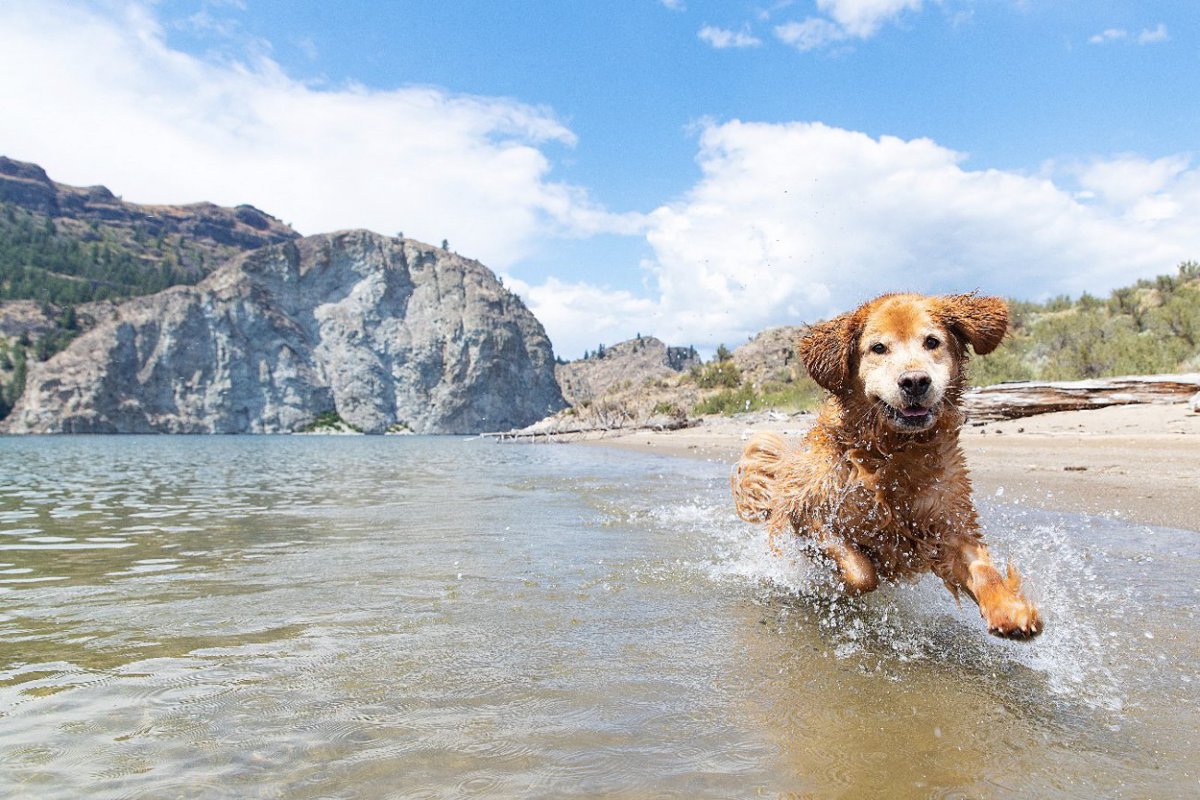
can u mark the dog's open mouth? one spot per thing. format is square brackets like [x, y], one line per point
[911, 416]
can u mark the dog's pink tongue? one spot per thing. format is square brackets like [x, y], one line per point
[918, 411]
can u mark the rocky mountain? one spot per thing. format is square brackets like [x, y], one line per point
[630, 364]
[386, 333]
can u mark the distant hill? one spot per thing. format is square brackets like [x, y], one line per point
[69, 255]
[65, 245]
[642, 382]
[624, 366]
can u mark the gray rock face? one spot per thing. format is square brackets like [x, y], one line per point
[386, 332]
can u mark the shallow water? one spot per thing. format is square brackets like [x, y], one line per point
[416, 617]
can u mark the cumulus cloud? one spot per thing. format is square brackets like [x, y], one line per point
[864, 18]
[795, 222]
[579, 316]
[721, 39]
[843, 20]
[102, 94]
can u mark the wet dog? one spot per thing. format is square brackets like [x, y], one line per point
[879, 484]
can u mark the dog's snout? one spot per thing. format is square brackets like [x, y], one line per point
[915, 383]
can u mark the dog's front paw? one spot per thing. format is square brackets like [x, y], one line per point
[1009, 614]
[1014, 618]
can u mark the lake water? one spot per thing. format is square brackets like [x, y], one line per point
[306, 617]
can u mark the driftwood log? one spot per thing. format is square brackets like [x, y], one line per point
[1027, 398]
[565, 429]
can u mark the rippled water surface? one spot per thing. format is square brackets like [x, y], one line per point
[417, 617]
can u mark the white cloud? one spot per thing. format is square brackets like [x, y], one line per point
[794, 222]
[721, 38]
[810, 34]
[1153, 35]
[787, 222]
[1124, 180]
[674, 5]
[579, 316]
[101, 94]
[1109, 35]
[1147, 36]
[843, 20]
[864, 18]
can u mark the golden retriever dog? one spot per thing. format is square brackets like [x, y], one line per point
[879, 484]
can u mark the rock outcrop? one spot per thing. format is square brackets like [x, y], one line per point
[387, 333]
[626, 365]
[771, 356]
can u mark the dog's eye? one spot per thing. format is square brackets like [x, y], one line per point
[879, 348]
[932, 343]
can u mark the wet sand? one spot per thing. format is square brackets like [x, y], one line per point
[1137, 463]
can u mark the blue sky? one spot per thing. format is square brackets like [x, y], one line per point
[694, 170]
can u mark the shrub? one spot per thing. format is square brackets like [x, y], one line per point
[723, 374]
[728, 401]
[798, 395]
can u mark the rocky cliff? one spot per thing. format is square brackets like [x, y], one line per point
[385, 332]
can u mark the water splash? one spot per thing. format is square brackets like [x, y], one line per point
[920, 622]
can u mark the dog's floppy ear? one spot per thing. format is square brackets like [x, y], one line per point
[827, 351]
[979, 321]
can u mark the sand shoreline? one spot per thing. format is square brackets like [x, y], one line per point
[1139, 463]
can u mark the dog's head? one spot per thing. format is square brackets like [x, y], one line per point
[904, 354]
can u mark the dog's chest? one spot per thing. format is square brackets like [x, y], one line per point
[909, 497]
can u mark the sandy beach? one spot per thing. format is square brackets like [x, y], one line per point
[1139, 463]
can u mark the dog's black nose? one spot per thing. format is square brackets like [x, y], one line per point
[914, 383]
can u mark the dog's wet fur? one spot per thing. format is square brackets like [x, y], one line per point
[879, 484]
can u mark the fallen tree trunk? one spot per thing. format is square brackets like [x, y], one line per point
[1027, 398]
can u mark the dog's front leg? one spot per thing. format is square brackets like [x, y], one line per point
[1001, 603]
[854, 568]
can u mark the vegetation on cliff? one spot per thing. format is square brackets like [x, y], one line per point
[38, 261]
